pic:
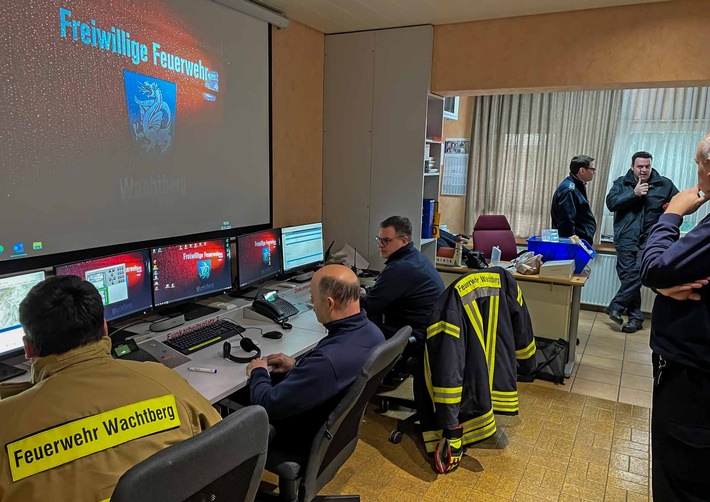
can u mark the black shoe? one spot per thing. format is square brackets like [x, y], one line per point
[614, 315]
[632, 326]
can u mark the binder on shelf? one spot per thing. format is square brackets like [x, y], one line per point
[427, 218]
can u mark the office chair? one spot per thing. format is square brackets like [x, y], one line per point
[301, 477]
[225, 462]
[494, 230]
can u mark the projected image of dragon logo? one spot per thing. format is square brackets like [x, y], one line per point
[150, 103]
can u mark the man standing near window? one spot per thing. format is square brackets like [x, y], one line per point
[637, 200]
[571, 213]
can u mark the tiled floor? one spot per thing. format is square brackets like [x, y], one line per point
[581, 445]
[611, 364]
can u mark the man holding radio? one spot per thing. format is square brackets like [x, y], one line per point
[637, 200]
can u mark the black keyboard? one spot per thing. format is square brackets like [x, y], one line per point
[140, 355]
[203, 337]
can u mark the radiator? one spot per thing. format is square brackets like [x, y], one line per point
[603, 284]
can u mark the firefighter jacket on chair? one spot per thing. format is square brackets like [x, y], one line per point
[479, 338]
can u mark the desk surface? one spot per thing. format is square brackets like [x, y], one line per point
[576, 280]
[230, 376]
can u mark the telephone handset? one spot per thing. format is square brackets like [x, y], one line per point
[273, 307]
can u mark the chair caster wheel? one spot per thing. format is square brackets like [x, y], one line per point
[384, 406]
[395, 437]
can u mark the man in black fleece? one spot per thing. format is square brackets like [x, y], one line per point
[405, 292]
[678, 270]
[312, 384]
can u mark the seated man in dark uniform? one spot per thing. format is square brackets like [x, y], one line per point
[299, 403]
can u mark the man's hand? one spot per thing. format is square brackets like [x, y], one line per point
[684, 291]
[281, 363]
[259, 362]
[687, 201]
[641, 188]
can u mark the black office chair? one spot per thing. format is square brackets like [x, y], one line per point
[225, 462]
[300, 478]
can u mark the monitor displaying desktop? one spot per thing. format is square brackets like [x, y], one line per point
[302, 246]
[258, 257]
[13, 290]
[123, 280]
[188, 271]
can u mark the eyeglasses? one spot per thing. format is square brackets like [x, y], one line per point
[593, 169]
[384, 241]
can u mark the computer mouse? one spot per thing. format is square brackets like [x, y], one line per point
[273, 335]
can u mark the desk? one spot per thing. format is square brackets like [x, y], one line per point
[231, 376]
[549, 301]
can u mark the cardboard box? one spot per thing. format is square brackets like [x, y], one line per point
[558, 269]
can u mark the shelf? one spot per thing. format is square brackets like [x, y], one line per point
[436, 142]
[427, 241]
[432, 174]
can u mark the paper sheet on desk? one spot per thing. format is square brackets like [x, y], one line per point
[349, 257]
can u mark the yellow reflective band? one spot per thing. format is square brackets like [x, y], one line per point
[195, 347]
[505, 392]
[447, 400]
[505, 399]
[507, 408]
[494, 302]
[520, 296]
[527, 352]
[476, 322]
[86, 436]
[443, 327]
[448, 390]
[477, 280]
[427, 377]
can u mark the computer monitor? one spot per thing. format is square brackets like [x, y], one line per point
[188, 271]
[302, 246]
[123, 280]
[258, 257]
[13, 290]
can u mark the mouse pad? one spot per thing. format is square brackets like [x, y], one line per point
[164, 354]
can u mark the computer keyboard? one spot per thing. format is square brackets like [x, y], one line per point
[140, 355]
[203, 337]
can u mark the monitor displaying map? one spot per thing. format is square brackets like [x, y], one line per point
[13, 290]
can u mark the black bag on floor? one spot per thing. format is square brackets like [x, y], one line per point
[550, 361]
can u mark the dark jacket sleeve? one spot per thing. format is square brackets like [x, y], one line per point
[308, 384]
[671, 261]
[566, 213]
[522, 328]
[386, 290]
[445, 361]
[620, 196]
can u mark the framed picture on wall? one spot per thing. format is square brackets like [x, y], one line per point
[451, 108]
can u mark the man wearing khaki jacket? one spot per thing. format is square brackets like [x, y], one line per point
[86, 418]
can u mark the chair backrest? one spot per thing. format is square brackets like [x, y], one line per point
[224, 462]
[337, 439]
[494, 230]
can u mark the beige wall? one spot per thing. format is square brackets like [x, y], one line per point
[659, 44]
[452, 208]
[297, 124]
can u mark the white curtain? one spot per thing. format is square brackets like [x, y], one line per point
[667, 123]
[521, 147]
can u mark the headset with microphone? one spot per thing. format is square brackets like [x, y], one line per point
[247, 345]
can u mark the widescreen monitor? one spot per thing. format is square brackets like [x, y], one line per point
[123, 280]
[13, 290]
[302, 246]
[187, 271]
[258, 257]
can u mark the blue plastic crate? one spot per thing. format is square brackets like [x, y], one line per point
[565, 249]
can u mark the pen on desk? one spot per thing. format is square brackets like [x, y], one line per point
[202, 370]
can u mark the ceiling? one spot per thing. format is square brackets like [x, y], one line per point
[336, 16]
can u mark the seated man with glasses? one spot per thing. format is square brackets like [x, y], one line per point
[571, 212]
[407, 289]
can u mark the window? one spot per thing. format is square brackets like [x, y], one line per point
[451, 108]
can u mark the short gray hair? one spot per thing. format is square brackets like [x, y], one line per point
[343, 292]
[704, 149]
